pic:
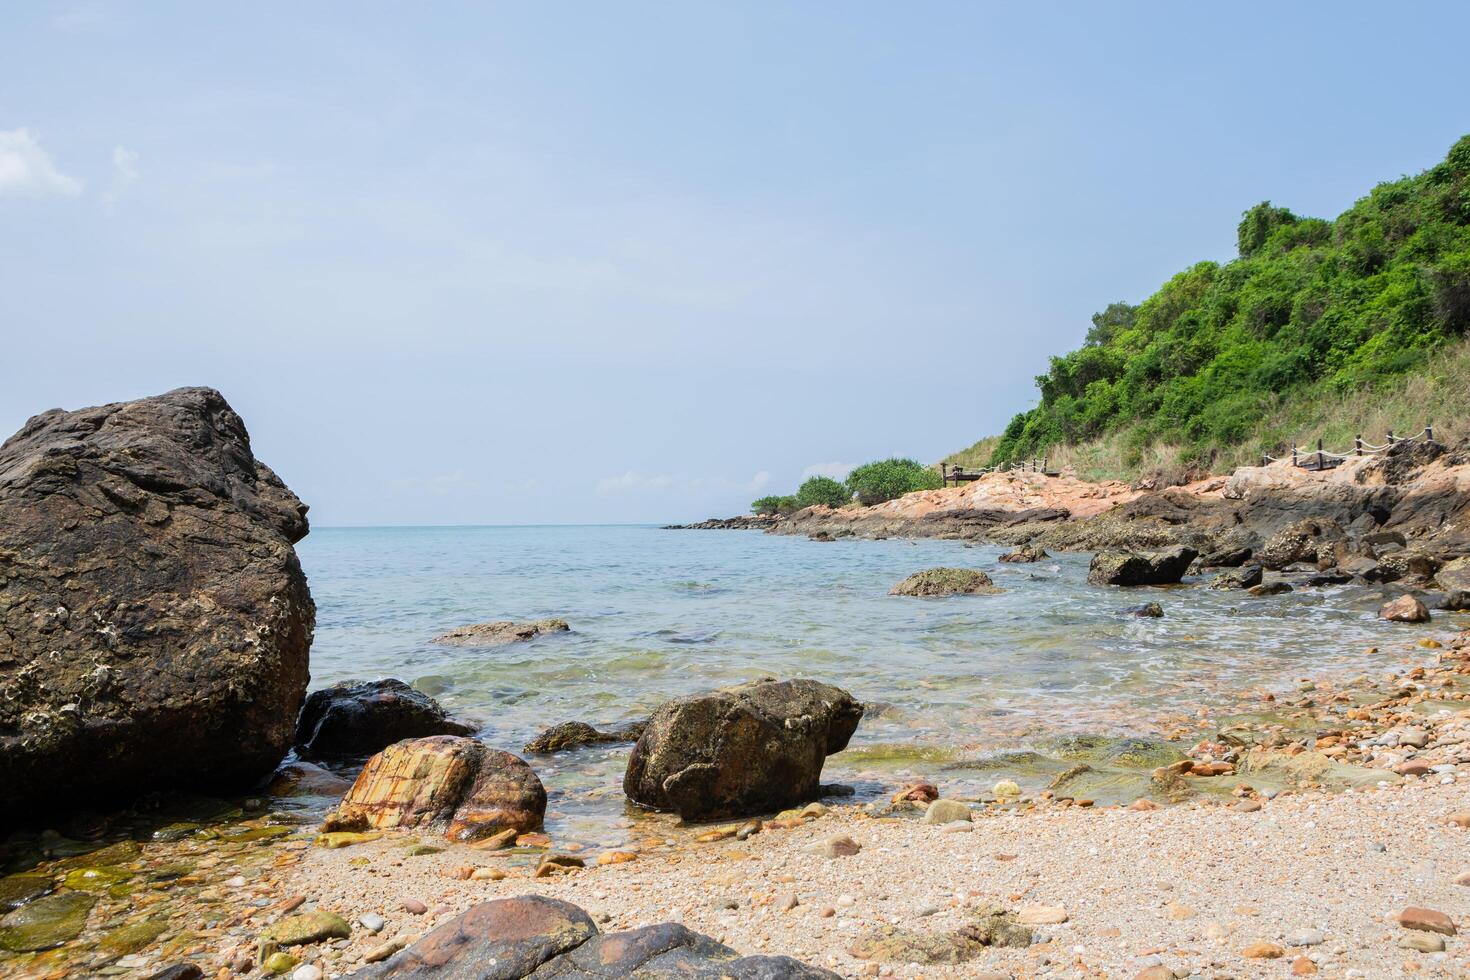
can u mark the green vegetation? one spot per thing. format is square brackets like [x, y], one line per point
[873, 483]
[774, 505]
[1229, 360]
[822, 490]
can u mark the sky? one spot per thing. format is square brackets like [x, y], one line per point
[641, 262]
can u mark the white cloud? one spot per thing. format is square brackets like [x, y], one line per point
[126, 162]
[631, 482]
[837, 471]
[26, 169]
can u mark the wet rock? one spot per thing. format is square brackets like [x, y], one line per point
[742, 750]
[1147, 568]
[576, 734]
[446, 782]
[1243, 578]
[1310, 540]
[45, 923]
[306, 779]
[501, 631]
[935, 582]
[356, 718]
[514, 937]
[155, 616]
[133, 937]
[299, 930]
[16, 890]
[1228, 557]
[1266, 589]
[1025, 553]
[1148, 610]
[1404, 609]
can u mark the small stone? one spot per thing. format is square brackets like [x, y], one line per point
[748, 830]
[1303, 967]
[835, 847]
[307, 972]
[1180, 912]
[372, 921]
[1155, 972]
[1263, 951]
[1423, 942]
[487, 874]
[556, 864]
[1143, 805]
[616, 857]
[414, 907]
[379, 953]
[1246, 806]
[1007, 788]
[1041, 915]
[1426, 920]
[946, 811]
[827, 912]
[1307, 937]
[787, 901]
[1463, 879]
[278, 963]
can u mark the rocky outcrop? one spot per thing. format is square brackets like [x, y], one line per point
[1312, 541]
[578, 734]
[502, 631]
[445, 783]
[355, 718]
[154, 619]
[510, 938]
[946, 581]
[1454, 578]
[748, 522]
[1157, 568]
[741, 750]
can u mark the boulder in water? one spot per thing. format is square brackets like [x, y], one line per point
[741, 750]
[511, 938]
[1025, 553]
[1405, 609]
[445, 783]
[1242, 578]
[577, 734]
[1146, 568]
[154, 619]
[946, 581]
[499, 632]
[1147, 610]
[357, 718]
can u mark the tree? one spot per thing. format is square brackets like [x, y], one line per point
[822, 490]
[887, 479]
[1109, 323]
[1257, 224]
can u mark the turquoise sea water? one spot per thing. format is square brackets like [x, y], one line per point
[657, 613]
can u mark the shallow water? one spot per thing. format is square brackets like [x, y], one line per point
[658, 613]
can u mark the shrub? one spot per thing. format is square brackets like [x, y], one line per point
[822, 490]
[766, 505]
[873, 483]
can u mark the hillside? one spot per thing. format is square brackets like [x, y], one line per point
[1318, 329]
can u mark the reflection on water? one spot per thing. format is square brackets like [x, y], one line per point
[656, 614]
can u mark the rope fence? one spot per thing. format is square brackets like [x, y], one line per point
[1322, 459]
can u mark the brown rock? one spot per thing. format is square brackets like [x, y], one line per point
[936, 582]
[502, 631]
[1426, 920]
[1404, 609]
[1303, 967]
[444, 782]
[154, 619]
[835, 847]
[1263, 951]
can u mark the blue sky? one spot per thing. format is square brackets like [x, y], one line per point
[542, 262]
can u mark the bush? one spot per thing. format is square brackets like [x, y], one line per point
[822, 490]
[766, 505]
[887, 479]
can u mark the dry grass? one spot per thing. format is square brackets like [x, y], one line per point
[1437, 393]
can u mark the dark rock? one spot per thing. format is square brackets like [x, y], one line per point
[741, 750]
[448, 783]
[1228, 557]
[1148, 610]
[1025, 553]
[1269, 589]
[576, 734]
[750, 522]
[501, 631]
[154, 619]
[935, 582]
[1243, 579]
[1308, 540]
[355, 718]
[1413, 565]
[306, 779]
[1157, 568]
[512, 938]
[1329, 578]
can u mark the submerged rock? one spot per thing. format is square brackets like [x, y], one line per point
[449, 783]
[501, 631]
[155, 618]
[740, 750]
[356, 718]
[298, 930]
[45, 923]
[512, 938]
[1149, 568]
[576, 734]
[1148, 610]
[1404, 609]
[1025, 553]
[1269, 589]
[946, 581]
[16, 890]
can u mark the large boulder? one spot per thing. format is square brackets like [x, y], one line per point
[1313, 540]
[444, 783]
[747, 749]
[1149, 568]
[356, 718]
[1454, 578]
[935, 582]
[154, 619]
[510, 938]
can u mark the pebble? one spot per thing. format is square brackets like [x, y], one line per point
[1263, 951]
[1247, 806]
[307, 972]
[372, 921]
[787, 901]
[1425, 920]
[1307, 937]
[835, 847]
[943, 811]
[1303, 967]
[380, 953]
[1041, 915]
[414, 907]
[1423, 942]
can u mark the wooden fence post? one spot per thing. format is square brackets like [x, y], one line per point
[1429, 432]
[1320, 460]
[1390, 438]
[1293, 454]
[1358, 445]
